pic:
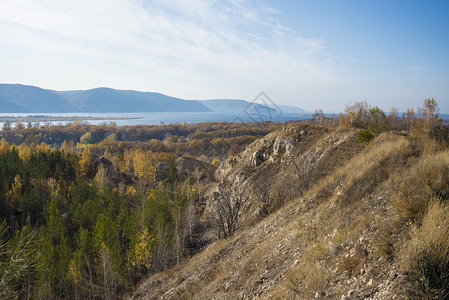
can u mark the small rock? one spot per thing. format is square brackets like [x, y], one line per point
[320, 294]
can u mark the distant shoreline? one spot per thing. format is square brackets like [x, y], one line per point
[44, 118]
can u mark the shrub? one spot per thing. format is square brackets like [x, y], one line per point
[365, 137]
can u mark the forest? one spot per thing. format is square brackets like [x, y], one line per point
[72, 227]
[82, 216]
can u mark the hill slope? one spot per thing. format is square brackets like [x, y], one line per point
[343, 235]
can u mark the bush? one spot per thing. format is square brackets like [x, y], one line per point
[365, 137]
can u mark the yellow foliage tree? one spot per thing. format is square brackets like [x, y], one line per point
[73, 274]
[16, 191]
[143, 167]
[42, 147]
[4, 146]
[25, 151]
[143, 250]
[68, 147]
[126, 163]
[85, 161]
[101, 178]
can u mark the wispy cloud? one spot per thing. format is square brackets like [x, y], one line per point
[416, 68]
[195, 48]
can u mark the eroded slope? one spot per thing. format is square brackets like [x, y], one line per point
[336, 238]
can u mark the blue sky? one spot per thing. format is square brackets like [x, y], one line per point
[311, 54]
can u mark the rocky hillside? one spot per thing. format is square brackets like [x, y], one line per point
[325, 218]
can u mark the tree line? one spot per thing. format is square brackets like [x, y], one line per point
[373, 120]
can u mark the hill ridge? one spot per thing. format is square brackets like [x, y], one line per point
[19, 98]
[332, 240]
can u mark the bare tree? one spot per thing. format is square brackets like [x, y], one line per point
[17, 258]
[394, 121]
[227, 211]
[191, 218]
[318, 117]
[298, 176]
[107, 273]
[357, 115]
[429, 116]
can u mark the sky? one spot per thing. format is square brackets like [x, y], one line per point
[306, 53]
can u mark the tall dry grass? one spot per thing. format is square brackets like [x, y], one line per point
[354, 172]
[425, 180]
[425, 257]
[337, 214]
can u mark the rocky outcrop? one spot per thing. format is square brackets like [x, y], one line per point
[114, 177]
[273, 147]
[161, 172]
[198, 170]
[258, 157]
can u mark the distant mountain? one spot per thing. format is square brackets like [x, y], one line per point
[229, 105]
[233, 105]
[111, 100]
[293, 109]
[17, 98]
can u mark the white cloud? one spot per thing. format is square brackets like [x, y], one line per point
[190, 49]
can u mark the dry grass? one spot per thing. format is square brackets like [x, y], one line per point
[341, 225]
[338, 213]
[353, 173]
[426, 256]
[310, 274]
[427, 179]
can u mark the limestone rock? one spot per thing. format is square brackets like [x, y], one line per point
[187, 166]
[161, 172]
